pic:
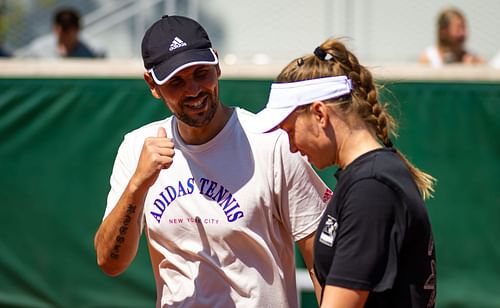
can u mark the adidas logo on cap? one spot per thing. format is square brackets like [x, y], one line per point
[176, 43]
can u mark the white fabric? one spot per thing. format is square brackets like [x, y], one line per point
[285, 97]
[432, 54]
[222, 219]
[495, 61]
[294, 94]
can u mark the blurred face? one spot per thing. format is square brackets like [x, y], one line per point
[456, 32]
[67, 40]
[192, 94]
[307, 136]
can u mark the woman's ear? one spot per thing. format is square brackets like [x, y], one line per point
[151, 84]
[319, 110]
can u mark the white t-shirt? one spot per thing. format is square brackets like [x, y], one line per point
[432, 54]
[221, 221]
[495, 61]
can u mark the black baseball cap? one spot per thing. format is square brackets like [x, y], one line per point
[173, 43]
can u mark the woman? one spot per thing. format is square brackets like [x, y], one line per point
[374, 244]
[451, 39]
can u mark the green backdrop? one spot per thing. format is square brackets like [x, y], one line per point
[58, 139]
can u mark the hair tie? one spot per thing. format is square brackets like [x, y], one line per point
[389, 144]
[320, 53]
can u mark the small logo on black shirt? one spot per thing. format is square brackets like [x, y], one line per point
[329, 231]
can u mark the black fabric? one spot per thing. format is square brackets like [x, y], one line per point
[81, 50]
[320, 53]
[171, 36]
[376, 235]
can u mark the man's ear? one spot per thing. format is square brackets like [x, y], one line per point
[151, 84]
[217, 67]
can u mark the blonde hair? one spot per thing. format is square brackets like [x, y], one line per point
[333, 59]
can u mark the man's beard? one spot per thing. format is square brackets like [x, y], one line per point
[199, 121]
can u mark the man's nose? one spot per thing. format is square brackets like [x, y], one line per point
[192, 88]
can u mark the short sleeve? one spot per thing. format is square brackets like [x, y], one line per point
[369, 238]
[300, 192]
[123, 168]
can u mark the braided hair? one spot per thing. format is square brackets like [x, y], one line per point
[332, 58]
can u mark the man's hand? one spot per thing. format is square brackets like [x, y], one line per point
[157, 154]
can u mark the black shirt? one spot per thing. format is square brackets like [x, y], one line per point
[375, 234]
[81, 50]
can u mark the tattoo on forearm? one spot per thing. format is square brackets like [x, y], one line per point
[120, 238]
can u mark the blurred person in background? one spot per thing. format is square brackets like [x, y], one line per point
[451, 39]
[65, 41]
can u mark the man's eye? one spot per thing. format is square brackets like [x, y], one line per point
[175, 82]
[201, 73]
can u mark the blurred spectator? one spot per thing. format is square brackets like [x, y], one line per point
[64, 42]
[451, 38]
[4, 53]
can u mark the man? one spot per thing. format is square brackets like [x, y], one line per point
[65, 41]
[221, 206]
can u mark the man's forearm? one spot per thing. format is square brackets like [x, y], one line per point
[306, 247]
[117, 239]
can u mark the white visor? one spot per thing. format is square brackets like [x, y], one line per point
[285, 97]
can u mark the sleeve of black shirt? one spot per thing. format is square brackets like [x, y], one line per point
[369, 238]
